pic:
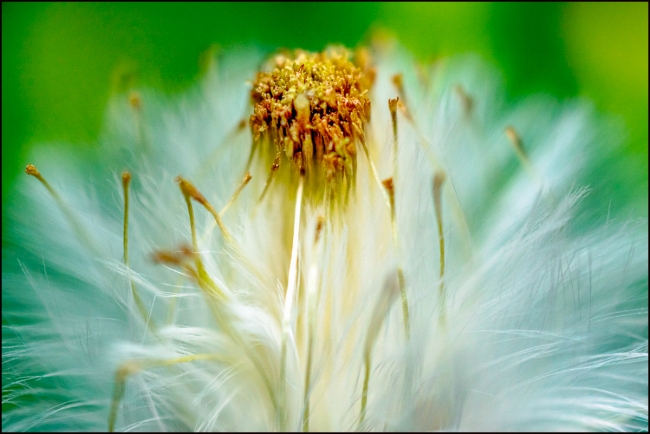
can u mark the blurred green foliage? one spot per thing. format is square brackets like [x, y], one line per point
[58, 58]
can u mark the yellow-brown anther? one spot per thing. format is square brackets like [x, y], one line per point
[390, 188]
[126, 178]
[32, 171]
[392, 107]
[319, 228]
[312, 107]
[165, 257]
[186, 251]
[516, 141]
[170, 257]
[135, 100]
[398, 81]
[189, 190]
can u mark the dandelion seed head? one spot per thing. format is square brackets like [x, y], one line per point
[420, 269]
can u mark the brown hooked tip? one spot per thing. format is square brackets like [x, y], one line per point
[392, 105]
[171, 257]
[190, 190]
[388, 185]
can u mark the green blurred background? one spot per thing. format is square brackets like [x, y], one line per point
[58, 59]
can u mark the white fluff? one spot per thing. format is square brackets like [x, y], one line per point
[545, 315]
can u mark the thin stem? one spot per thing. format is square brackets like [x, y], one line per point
[522, 155]
[392, 107]
[274, 168]
[405, 303]
[126, 181]
[251, 154]
[311, 298]
[375, 173]
[379, 314]
[135, 101]
[366, 382]
[189, 192]
[390, 188]
[422, 141]
[305, 413]
[245, 181]
[81, 233]
[438, 180]
[292, 285]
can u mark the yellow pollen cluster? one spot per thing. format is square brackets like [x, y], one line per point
[313, 107]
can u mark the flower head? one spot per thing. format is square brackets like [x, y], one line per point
[352, 242]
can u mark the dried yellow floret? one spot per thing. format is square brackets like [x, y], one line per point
[313, 108]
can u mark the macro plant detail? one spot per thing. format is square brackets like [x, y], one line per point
[346, 241]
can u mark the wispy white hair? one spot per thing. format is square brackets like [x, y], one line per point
[538, 320]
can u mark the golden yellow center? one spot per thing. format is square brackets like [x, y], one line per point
[313, 107]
